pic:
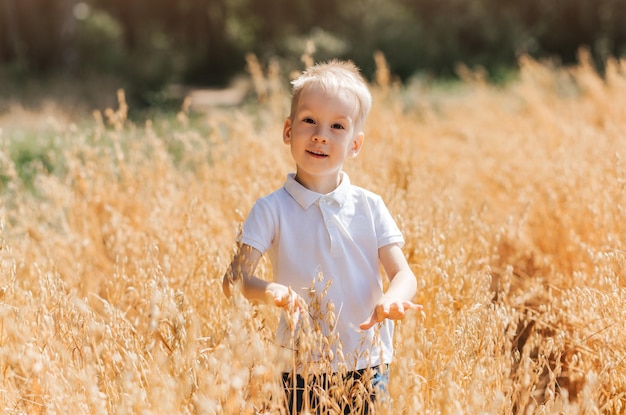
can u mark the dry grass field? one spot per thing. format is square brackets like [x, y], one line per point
[115, 236]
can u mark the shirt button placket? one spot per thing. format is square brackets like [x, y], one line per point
[335, 250]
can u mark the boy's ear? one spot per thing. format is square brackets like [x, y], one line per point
[357, 143]
[287, 131]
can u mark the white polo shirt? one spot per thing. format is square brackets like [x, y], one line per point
[311, 239]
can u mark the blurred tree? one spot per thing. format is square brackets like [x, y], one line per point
[67, 34]
[10, 42]
[153, 42]
[100, 41]
[191, 35]
[41, 41]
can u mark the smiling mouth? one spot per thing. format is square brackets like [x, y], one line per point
[317, 153]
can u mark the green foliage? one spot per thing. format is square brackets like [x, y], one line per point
[31, 154]
[154, 42]
[100, 42]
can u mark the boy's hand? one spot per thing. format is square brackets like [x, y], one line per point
[387, 309]
[285, 297]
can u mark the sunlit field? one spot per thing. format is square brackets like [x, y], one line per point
[115, 235]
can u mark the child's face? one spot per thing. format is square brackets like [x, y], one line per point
[322, 134]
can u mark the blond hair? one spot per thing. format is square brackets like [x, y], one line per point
[334, 76]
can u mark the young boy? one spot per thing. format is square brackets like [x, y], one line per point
[326, 236]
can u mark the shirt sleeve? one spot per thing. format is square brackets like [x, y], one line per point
[387, 231]
[259, 227]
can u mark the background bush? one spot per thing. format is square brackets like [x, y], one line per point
[149, 43]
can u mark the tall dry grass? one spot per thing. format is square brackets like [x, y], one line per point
[512, 200]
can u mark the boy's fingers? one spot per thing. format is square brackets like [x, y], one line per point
[408, 305]
[279, 300]
[366, 325]
[378, 315]
[396, 311]
[290, 301]
[402, 308]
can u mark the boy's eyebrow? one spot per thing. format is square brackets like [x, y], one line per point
[336, 116]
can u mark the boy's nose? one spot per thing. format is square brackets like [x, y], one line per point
[319, 138]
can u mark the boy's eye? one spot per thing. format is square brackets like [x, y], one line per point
[337, 126]
[308, 120]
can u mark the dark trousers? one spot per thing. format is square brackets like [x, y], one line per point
[352, 393]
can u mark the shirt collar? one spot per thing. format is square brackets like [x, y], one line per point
[306, 197]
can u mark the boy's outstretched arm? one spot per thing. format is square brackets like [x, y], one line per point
[397, 300]
[241, 270]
